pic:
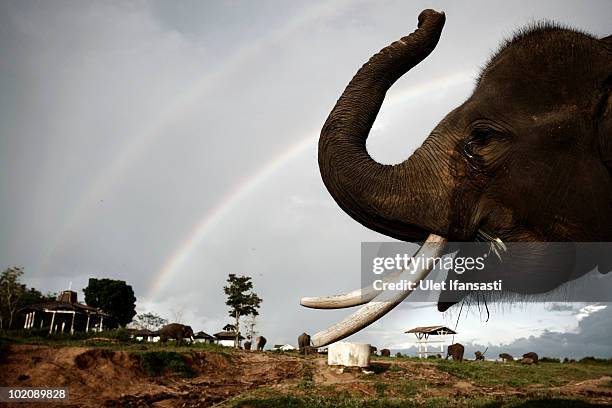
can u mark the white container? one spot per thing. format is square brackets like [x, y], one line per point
[349, 354]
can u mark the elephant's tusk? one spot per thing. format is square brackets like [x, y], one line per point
[385, 301]
[350, 299]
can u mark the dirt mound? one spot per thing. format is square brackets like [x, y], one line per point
[103, 377]
[101, 359]
[91, 375]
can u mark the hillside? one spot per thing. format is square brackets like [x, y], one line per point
[155, 376]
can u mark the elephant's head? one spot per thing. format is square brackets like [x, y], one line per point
[188, 333]
[526, 158]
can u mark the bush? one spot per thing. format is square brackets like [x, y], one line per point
[594, 360]
[549, 360]
[307, 380]
[157, 362]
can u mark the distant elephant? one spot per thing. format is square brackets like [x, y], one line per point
[479, 356]
[373, 349]
[506, 357]
[385, 353]
[304, 343]
[527, 158]
[260, 342]
[175, 331]
[455, 351]
[247, 345]
[533, 356]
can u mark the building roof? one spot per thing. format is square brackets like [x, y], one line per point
[66, 301]
[432, 330]
[284, 347]
[141, 332]
[227, 335]
[202, 335]
[64, 306]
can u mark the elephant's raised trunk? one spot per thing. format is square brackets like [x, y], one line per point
[396, 200]
[408, 201]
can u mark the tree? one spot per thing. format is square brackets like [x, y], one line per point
[241, 300]
[11, 293]
[250, 325]
[114, 297]
[149, 321]
[177, 314]
[32, 296]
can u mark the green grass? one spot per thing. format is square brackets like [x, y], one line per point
[122, 343]
[307, 380]
[156, 363]
[313, 401]
[518, 375]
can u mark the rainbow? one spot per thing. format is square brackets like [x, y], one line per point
[153, 129]
[181, 255]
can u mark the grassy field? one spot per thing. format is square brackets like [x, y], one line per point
[203, 375]
[410, 382]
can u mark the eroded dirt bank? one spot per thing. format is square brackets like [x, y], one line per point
[102, 377]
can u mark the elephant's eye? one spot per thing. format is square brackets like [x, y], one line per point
[478, 138]
[485, 147]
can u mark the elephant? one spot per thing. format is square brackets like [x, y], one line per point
[373, 350]
[517, 162]
[304, 344]
[479, 356]
[533, 356]
[260, 342]
[506, 357]
[175, 331]
[247, 345]
[385, 353]
[455, 351]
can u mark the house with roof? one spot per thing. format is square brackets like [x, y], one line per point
[227, 336]
[64, 315]
[143, 335]
[202, 337]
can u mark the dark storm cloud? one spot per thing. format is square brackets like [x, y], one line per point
[591, 338]
[560, 307]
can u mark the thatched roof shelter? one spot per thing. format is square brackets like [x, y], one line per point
[227, 335]
[422, 334]
[430, 331]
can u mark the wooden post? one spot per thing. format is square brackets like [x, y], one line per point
[87, 325]
[101, 323]
[72, 324]
[52, 320]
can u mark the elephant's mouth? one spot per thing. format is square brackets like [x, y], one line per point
[376, 303]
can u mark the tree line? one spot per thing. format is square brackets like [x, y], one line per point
[117, 299]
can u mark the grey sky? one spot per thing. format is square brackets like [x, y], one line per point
[171, 143]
